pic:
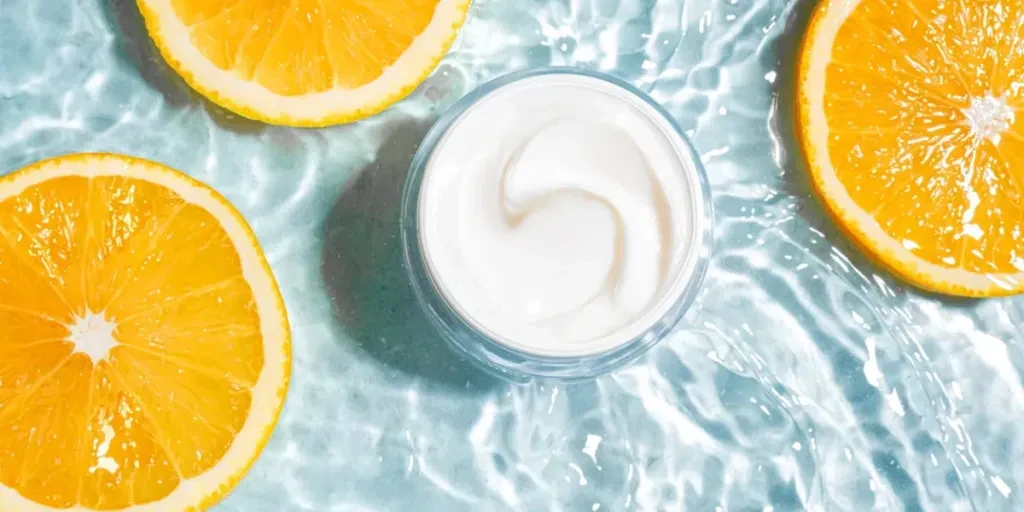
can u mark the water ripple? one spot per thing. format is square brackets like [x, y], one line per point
[805, 379]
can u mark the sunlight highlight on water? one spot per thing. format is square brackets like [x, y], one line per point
[805, 378]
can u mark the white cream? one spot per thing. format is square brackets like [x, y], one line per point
[561, 215]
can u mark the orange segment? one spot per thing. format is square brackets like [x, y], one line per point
[304, 62]
[196, 412]
[305, 46]
[38, 275]
[125, 461]
[231, 46]
[144, 348]
[187, 253]
[23, 327]
[193, 331]
[25, 365]
[40, 434]
[126, 219]
[907, 114]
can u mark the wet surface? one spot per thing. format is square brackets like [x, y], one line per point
[804, 378]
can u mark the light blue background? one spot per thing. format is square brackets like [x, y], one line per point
[806, 378]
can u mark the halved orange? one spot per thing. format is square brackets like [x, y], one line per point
[304, 62]
[144, 346]
[908, 116]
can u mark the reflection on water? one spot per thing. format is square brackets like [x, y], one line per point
[807, 379]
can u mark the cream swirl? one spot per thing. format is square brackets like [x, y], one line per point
[556, 218]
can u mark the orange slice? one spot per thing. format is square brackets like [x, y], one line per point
[304, 62]
[908, 113]
[144, 346]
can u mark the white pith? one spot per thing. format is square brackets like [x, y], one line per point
[93, 335]
[988, 117]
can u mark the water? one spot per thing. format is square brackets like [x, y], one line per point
[806, 378]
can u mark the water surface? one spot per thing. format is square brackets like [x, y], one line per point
[805, 378]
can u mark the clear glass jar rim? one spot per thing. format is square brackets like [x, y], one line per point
[496, 354]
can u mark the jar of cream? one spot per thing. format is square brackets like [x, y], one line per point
[556, 223]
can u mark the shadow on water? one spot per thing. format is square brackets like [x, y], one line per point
[137, 49]
[783, 121]
[362, 263]
[365, 273]
[784, 125]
